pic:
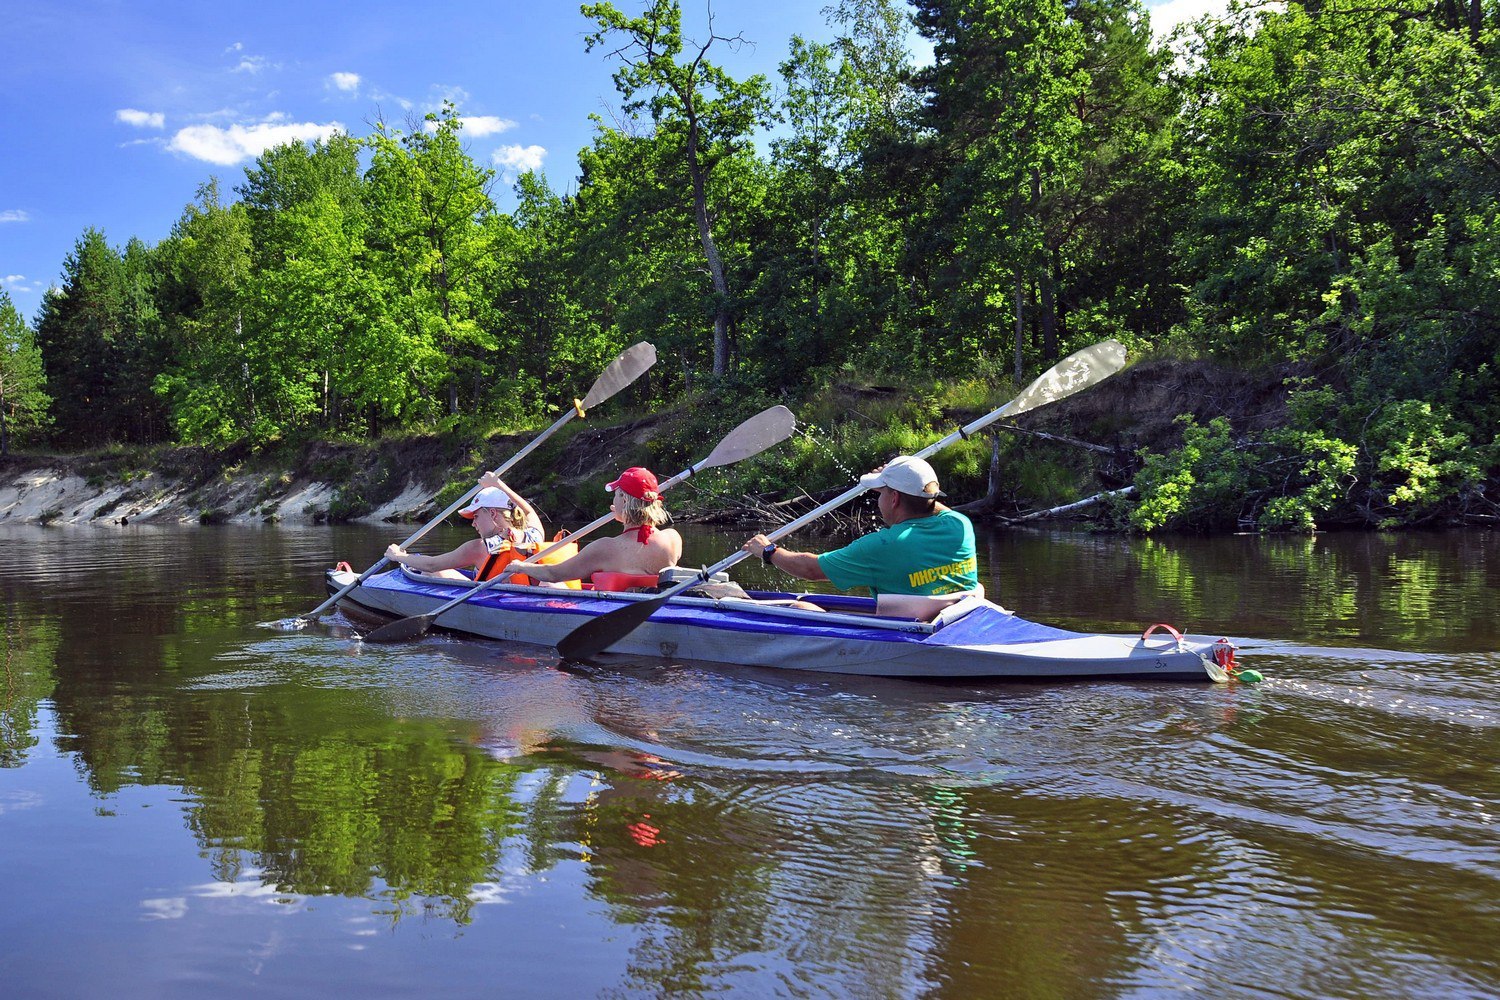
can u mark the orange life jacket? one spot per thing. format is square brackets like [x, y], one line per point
[498, 561]
[508, 554]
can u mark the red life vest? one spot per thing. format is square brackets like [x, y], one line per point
[605, 580]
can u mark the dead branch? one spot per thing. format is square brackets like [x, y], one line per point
[1060, 439]
[1068, 508]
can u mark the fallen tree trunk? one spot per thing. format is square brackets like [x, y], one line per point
[1069, 508]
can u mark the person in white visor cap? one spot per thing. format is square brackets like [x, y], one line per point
[508, 528]
[922, 561]
[909, 476]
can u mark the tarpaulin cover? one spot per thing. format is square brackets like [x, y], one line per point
[991, 627]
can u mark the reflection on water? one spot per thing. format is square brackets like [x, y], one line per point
[29, 658]
[236, 810]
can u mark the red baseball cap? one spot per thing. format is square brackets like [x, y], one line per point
[637, 482]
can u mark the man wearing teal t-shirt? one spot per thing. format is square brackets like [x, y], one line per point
[926, 552]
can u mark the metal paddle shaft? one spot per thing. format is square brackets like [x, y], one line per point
[622, 371]
[1076, 371]
[769, 427]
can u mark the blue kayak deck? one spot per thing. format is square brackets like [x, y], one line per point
[851, 617]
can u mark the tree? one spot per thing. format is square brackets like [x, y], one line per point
[1125, 194]
[427, 244]
[293, 174]
[23, 399]
[828, 283]
[1345, 160]
[141, 415]
[96, 336]
[1346, 192]
[637, 262]
[216, 394]
[795, 270]
[698, 107]
[542, 297]
[324, 335]
[321, 311]
[1001, 92]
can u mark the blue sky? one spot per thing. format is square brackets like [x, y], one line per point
[116, 112]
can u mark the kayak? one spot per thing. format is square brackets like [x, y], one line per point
[972, 639]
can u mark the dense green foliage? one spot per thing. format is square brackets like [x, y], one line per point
[1317, 184]
[23, 397]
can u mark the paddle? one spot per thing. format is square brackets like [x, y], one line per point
[1075, 372]
[769, 427]
[622, 371]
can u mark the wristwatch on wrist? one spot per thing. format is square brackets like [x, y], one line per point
[767, 552]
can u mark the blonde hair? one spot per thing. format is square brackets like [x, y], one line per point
[511, 516]
[638, 512]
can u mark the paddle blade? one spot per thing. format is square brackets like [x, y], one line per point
[598, 634]
[1077, 371]
[622, 371]
[768, 427]
[401, 630]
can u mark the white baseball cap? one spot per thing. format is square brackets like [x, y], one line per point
[490, 496]
[905, 474]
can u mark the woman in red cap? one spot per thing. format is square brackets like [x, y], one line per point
[644, 548]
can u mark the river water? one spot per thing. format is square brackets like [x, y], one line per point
[194, 805]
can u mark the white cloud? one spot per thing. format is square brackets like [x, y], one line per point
[223, 115]
[14, 215]
[519, 159]
[141, 119]
[228, 146]
[253, 65]
[168, 908]
[20, 800]
[20, 283]
[248, 888]
[1167, 16]
[479, 126]
[345, 81]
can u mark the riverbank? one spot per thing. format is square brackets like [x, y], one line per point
[55, 489]
[1088, 445]
[1062, 452]
[394, 480]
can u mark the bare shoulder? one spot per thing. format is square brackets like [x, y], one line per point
[606, 544]
[663, 550]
